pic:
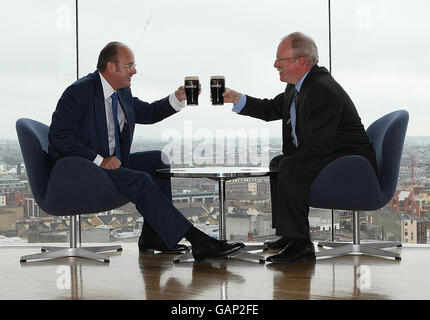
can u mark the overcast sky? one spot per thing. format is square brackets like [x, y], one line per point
[380, 51]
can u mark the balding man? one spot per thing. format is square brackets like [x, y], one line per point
[95, 119]
[319, 124]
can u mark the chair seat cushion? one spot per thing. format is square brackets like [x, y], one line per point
[348, 183]
[76, 186]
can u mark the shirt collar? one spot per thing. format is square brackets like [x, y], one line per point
[299, 84]
[107, 88]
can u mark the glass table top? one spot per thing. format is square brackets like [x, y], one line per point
[216, 172]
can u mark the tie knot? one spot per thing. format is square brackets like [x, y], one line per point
[114, 97]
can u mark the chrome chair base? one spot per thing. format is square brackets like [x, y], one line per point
[66, 253]
[385, 244]
[92, 249]
[357, 249]
[72, 251]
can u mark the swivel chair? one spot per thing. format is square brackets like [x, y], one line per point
[73, 186]
[350, 183]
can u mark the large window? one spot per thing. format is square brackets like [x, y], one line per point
[378, 56]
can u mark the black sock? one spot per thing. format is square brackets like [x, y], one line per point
[198, 238]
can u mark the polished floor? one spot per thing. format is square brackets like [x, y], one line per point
[132, 275]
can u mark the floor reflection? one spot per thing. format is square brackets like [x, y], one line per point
[292, 280]
[134, 275]
[68, 273]
[355, 270]
[185, 280]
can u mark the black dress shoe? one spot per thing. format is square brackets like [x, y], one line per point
[215, 250]
[276, 244]
[150, 247]
[149, 241]
[154, 244]
[295, 250]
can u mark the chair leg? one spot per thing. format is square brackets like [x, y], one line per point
[333, 244]
[240, 254]
[92, 249]
[243, 254]
[387, 244]
[103, 248]
[65, 253]
[357, 249]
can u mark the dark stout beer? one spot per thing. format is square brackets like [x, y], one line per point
[217, 89]
[192, 90]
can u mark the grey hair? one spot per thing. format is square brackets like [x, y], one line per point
[303, 46]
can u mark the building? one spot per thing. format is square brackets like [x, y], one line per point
[32, 209]
[238, 225]
[403, 201]
[195, 197]
[415, 229]
[8, 219]
[253, 186]
[12, 191]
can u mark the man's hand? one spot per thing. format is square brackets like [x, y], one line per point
[110, 163]
[231, 96]
[181, 95]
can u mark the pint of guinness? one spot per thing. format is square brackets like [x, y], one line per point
[192, 87]
[217, 89]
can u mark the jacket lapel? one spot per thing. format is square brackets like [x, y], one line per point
[288, 99]
[127, 108]
[100, 116]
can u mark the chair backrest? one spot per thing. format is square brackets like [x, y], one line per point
[33, 140]
[388, 136]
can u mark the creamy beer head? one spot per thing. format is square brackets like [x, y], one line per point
[217, 89]
[192, 87]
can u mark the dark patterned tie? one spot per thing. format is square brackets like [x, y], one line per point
[293, 117]
[116, 124]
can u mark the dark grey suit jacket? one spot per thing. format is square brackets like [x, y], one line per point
[327, 126]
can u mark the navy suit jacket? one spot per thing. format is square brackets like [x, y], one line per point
[79, 126]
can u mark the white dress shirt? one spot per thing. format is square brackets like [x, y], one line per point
[107, 93]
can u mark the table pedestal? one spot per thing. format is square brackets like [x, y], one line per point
[240, 254]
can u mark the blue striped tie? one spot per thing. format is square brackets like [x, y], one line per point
[116, 124]
[293, 117]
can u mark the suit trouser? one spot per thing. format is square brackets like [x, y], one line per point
[151, 195]
[290, 189]
[290, 197]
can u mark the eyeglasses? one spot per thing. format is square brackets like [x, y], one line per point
[282, 59]
[130, 65]
[127, 65]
